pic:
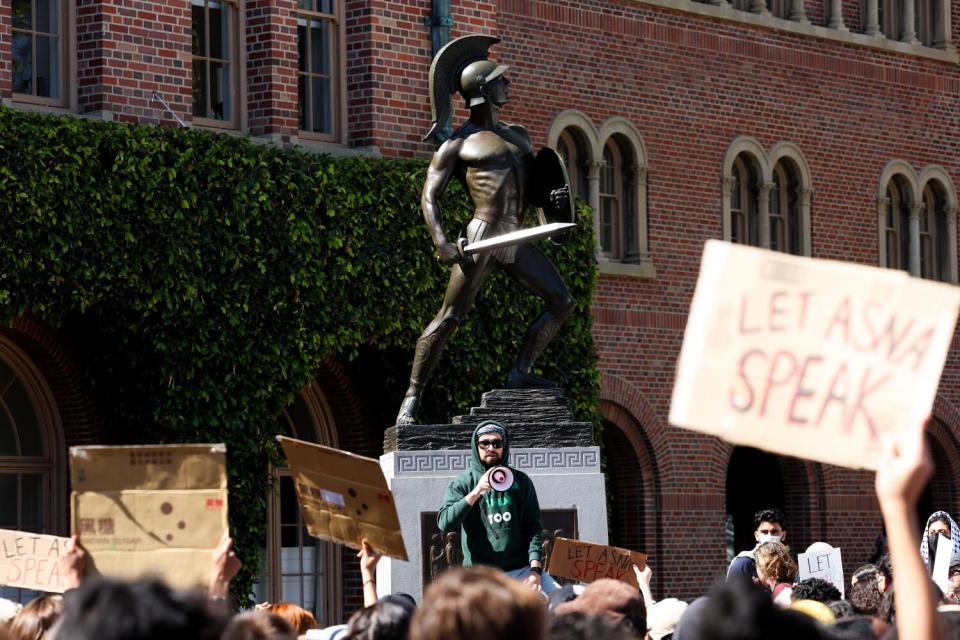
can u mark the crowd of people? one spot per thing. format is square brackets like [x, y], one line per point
[761, 597]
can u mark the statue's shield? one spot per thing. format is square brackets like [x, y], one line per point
[550, 174]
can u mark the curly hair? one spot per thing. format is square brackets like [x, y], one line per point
[815, 589]
[769, 515]
[774, 561]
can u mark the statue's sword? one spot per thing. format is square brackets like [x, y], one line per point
[512, 238]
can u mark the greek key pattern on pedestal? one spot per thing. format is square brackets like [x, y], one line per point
[567, 460]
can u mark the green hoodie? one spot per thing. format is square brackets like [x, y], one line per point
[502, 529]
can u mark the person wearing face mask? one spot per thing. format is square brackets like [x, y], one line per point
[938, 524]
[768, 526]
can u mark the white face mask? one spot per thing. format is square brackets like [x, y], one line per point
[769, 538]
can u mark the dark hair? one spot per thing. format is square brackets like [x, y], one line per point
[888, 608]
[815, 589]
[865, 596]
[941, 518]
[858, 628]
[37, 617]
[740, 610]
[769, 515]
[583, 626]
[107, 609]
[841, 609]
[259, 625]
[387, 619]
[885, 567]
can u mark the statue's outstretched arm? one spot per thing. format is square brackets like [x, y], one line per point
[438, 177]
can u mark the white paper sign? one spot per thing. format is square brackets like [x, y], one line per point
[941, 563]
[826, 565]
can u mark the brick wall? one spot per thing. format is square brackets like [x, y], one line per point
[271, 39]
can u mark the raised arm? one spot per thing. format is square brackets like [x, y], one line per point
[901, 476]
[438, 177]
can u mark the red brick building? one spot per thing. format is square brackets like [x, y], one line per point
[820, 128]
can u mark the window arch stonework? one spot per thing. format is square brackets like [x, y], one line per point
[628, 253]
[766, 195]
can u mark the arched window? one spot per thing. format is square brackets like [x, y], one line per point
[785, 234]
[611, 201]
[299, 568]
[896, 233]
[571, 148]
[30, 453]
[934, 236]
[746, 496]
[743, 203]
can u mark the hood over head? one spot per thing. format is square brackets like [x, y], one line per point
[485, 427]
[954, 537]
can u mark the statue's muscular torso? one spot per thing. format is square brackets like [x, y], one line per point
[496, 165]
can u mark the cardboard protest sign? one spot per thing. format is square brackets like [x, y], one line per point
[826, 565]
[586, 561]
[941, 563]
[810, 358]
[344, 497]
[150, 510]
[31, 560]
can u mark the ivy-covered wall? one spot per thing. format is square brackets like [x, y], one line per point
[206, 277]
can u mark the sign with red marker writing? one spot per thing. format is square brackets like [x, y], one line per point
[587, 561]
[150, 509]
[31, 560]
[810, 358]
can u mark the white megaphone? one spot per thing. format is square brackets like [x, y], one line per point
[500, 478]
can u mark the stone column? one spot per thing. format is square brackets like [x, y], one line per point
[873, 18]
[915, 236]
[836, 15]
[593, 179]
[909, 30]
[720, 3]
[759, 6]
[797, 12]
[763, 213]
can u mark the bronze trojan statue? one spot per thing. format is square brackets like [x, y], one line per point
[496, 163]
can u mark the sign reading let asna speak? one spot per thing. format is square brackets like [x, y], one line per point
[811, 358]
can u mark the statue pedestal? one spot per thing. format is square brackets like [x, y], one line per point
[557, 452]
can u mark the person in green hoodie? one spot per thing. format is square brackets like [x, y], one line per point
[497, 528]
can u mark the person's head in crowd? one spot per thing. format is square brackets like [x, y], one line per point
[864, 593]
[815, 589]
[479, 603]
[814, 609]
[583, 626]
[566, 593]
[387, 619]
[769, 525]
[258, 625]
[107, 609]
[884, 573]
[614, 599]
[37, 618]
[949, 626]
[299, 618]
[841, 609]
[858, 628]
[938, 524]
[741, 610]
[662, 618]
[775, 565]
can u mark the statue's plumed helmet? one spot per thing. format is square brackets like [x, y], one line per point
[473, 78]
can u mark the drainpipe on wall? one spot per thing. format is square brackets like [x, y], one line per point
[439, 22]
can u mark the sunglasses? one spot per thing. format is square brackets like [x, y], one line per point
[491, 444]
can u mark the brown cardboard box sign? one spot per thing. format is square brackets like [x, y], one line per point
[150, 510]
[344, 497]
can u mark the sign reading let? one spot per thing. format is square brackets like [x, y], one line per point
[811, 358]
[31, 560]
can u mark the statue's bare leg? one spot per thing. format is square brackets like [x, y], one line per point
[535, 273]
[461, 291]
